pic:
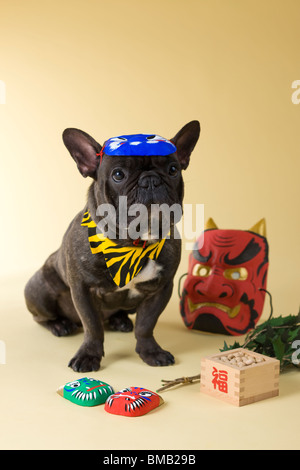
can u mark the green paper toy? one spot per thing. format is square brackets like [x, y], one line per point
[86, 391]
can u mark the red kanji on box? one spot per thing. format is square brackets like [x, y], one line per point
[220, 380]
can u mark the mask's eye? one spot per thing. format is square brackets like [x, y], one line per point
[118, 175]
[236, 274]
[145, 394]
[201, 270]
[173, 170]
[74, 384]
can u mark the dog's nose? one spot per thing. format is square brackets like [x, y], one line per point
[150, 180]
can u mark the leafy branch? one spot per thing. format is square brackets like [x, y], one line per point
[274, 338]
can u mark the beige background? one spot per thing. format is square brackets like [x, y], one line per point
[132, 66]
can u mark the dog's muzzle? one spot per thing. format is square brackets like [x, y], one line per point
[149, 180]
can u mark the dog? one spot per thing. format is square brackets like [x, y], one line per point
[76, 286]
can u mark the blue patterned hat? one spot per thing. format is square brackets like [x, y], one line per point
[138, 144]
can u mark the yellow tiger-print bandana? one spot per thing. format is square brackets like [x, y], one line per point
[123, 262]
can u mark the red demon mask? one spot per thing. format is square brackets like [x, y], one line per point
[224, 290]
[132, 401]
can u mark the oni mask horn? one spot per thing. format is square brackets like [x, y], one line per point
[210, 224]
[260, 228]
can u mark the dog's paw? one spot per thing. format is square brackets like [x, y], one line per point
[85, 363]
[61, 327]
[157, 357]
[88, 356]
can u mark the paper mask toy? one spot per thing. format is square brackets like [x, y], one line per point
[224, 290]
[138, 144]
[86, 392]
[132, 401]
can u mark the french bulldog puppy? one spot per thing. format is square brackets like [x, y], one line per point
[75, 288]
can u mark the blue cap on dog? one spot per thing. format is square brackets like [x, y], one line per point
[138, 144]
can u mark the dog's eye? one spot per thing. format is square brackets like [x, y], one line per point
[118, 175]
[173, 170]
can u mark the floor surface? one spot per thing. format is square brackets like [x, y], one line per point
[34, 416]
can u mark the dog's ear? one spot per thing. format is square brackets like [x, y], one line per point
[84, 150]
[185, 141]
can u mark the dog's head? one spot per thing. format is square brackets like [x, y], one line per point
[145, 169]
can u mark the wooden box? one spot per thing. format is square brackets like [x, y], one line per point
[236, 383]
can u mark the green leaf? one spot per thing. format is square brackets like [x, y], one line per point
[285, 336]
[261, 339]
[235, 345]
[270, 332]
[293, 334]
[279, 348]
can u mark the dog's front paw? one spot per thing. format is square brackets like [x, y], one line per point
[158, 358]
[86, 360]
[85, 363]
[154, 355]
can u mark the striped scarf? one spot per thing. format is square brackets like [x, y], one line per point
[123, 262]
